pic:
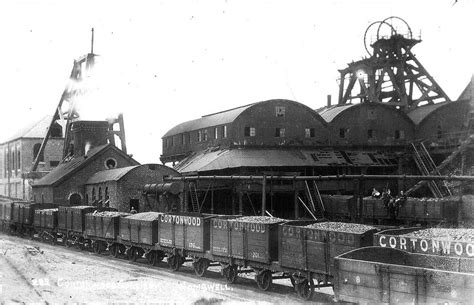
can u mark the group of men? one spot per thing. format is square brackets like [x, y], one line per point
[391, 203]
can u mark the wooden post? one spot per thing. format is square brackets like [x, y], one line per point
[241, 206]
[264, 194]
[295, 199]
[233, 201]
[212, 198]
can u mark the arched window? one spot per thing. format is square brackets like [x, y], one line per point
[100, 193]
[106, 194]
[36, 149]
[75, 199]
[93, 194]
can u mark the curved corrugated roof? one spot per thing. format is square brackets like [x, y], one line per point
[214, 119]
[418, 114]
[110, 174]
[328, 114]
[225, 117]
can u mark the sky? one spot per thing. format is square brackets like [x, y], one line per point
[165, 62]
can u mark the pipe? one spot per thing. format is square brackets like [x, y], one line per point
[322, 178]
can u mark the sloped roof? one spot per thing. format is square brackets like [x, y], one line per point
[468, 92]
[246, 157]
[114, 174]
[33, 130]
[219, 118]
[418, 114]
[329, 113]
[64, 170]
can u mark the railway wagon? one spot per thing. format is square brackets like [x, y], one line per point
[184, 235]
[22, 216]
[45, 223]
[340, 206]
[430, 210]
[433, 241]
[71, 224]
[391, 276]
[311, 247]
[5, 214]
[138, 236]
[103, 228]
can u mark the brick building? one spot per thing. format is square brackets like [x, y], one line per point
[17, 155]
[122, 188]
[89, 153]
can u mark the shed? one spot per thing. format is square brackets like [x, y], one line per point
[121, 188]
[275, 122]
[373, 124]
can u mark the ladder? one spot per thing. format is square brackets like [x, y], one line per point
[317, 206]
[427, 167]
[453, 155]
[194, 196]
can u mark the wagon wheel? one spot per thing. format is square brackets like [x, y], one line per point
[200, 266]
[174, 262]
[133, 254]
[112, 249]
[96, 247]
[116, 251]
[156, 257]
[230, 274]
[305, 289]
[264, 280]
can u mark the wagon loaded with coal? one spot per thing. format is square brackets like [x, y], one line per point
[308, 253]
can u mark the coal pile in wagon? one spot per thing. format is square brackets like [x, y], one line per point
[460, 235]
[260, 219]
[341, 227]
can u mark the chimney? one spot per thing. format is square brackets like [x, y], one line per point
[329, 100]
[87, 135]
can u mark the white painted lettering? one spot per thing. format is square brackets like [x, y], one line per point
[458, 248]
[424, 245]
[470, 249]
[435, 245]
[446, 245]
[392, 241]
[382, 241]
[403, 243]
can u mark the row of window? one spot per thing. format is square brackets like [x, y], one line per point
[200, 136]
[279, 132]
[99, 194]
[371, 133]
[12, 160]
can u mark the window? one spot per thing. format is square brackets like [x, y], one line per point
[164, 143]
[93, 194]
[342, 133]
[224, 131]
[183, 138]
[399, 134]
[279, 132]
[215, 133]
[280, 111]
[370, 133]
[18, 163]
[309, 133]
[199, 135]
[172, 140]
[250, 131]
[110, 163]
[56, 131]
[100, 193]
[205, 134]
[36, 149]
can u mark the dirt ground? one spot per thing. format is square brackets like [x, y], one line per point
[35, 272]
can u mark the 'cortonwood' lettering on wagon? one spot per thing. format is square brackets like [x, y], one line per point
[181, 220]
[419, 245]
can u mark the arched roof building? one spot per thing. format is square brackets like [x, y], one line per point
[365, 124]
[269, 123]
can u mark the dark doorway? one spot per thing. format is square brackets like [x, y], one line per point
[135, 204]
[75, 199]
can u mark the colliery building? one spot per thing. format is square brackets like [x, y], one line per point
[17, 155]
